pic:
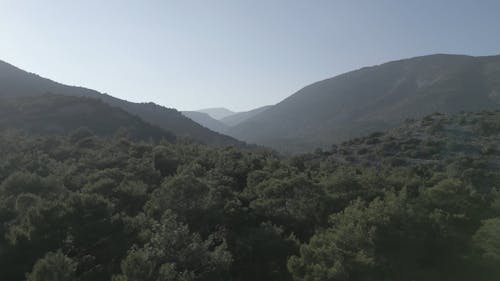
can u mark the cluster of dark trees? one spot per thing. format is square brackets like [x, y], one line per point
[417, 203]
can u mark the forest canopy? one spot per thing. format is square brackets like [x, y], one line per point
[420, 202]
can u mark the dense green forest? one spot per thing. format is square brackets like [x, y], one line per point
[419, 202]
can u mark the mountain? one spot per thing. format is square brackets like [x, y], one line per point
[15, 82]
[60, 115]
[375, 98]
[217, 112]
[224, 124]
[239, 117]
[206, 121]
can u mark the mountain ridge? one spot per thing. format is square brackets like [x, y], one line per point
[375, 98]
[63, 115]
[239, 117]
[216, 113]
[17, 82]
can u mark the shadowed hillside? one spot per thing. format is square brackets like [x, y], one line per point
[60, 115]
[16, 82]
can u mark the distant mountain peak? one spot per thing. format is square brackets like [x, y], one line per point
[217, 112]
[206, 121]
[240, 117]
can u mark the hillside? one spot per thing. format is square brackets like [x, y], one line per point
[17, 83]
[373, 99]
[240, 117]
[62, 115]
[206, 121]
[433, 140]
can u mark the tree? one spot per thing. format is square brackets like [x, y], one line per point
[348, 249]
[54, 266]
[173, 253]
[487, 240]
[184, 194]
[165, 160]
[295, 202]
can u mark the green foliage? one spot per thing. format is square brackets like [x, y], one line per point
[173, 253]
[165, 160]
[53, 267]
[23, 182]
[402, 205]
[292, 200]
[347, 250]
[184, 194]
[487, 239]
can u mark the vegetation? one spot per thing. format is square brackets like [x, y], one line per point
[57, 114]
[419, 202]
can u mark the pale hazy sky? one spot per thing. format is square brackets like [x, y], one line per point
[233, 53]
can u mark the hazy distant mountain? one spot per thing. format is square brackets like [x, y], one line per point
[16, 82]
[224, 124]
[206, 121]
[375, 98]
[239, 117]
[217, 112]
[61, 115]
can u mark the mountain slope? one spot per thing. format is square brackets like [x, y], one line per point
[206, 121]
[16, 82]
[240, 117]
[60, 115]
[435, 139]
[375, 98]
[217, 112]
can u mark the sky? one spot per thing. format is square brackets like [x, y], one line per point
[238, 54]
